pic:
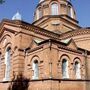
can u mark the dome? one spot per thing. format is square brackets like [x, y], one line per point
[58, 12]
[17, 16]
[54, 7]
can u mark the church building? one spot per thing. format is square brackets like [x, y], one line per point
[53, 52]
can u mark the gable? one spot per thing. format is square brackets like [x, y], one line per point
[35, 42]
[70, 43]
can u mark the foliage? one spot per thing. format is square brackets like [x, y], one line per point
[20, 83]
[2, 1]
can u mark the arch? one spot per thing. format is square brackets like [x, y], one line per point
[54, 8]
[5, 39]
[8, 45]
[5, 35]
[34, 57]
[39, 12]
[64, 56]
[70, 11]
[7, 63]
[77, 59]
[77, 66]
[35, 67]
[65, 69]
[65, 63]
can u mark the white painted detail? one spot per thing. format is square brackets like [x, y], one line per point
[17, 16]
[65, 69]
[8, 65]
[35, 70]
[77, 70]
[54, 9]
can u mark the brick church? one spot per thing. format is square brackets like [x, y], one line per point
[53, 52]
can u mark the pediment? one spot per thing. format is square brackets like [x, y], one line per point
[35, 42]
[70, 43]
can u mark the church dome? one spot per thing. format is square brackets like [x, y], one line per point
[54, 7]
[17, 16]
[56, 15]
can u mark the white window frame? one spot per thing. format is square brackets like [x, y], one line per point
[70, 11]
[65, 74]
[39, 13]
[77, 70]
[54, 9]
[7, 64]
[35, 68]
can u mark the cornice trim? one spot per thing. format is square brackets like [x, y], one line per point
[53, 79]
[77, 32]
[29, 27]
[57, 16]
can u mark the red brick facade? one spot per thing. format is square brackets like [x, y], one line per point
[48, 55]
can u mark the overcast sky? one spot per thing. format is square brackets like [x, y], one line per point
[27, 7]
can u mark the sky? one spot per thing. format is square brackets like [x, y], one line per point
[27, 7]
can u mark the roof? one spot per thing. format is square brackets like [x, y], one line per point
[27, 26]
[17, 16]
[65, 46]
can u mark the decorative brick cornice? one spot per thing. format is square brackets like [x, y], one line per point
[35, 49]
[46, 17]
[70, 49]
[66, 80]
[29, 27]
[52, 79]
[59, 44]
[73, 33]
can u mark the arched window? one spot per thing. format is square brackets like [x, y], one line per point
[65, 69]
[7, 64]
[77, 70]
[70, 11]
[54, 9]
[35, 69]
[39, 13]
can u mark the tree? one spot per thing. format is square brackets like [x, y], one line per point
[20, 83]
[2, 1]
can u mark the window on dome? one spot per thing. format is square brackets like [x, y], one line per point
[39, 13]
[65, 69]
[35, 69]
[8, 64]
[77, 70]
[70, 12]
[54, 9]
